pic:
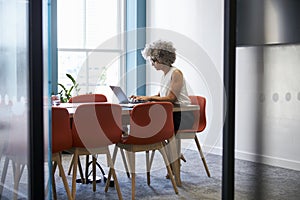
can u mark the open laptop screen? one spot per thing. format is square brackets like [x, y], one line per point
[119, 94]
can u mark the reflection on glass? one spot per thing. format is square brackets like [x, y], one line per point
[13, 99]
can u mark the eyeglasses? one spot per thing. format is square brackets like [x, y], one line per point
[153, 60]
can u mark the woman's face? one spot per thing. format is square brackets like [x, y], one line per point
[155, 64]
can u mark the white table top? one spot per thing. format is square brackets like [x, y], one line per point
[125, 110]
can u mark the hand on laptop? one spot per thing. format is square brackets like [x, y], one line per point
[134, 98]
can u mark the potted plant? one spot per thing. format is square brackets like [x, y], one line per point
[66, 94]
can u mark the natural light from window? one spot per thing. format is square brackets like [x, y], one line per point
[86, 50]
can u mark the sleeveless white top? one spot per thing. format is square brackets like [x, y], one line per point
[182, 97]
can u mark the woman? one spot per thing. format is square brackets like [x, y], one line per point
[173, 86]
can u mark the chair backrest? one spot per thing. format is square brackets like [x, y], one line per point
[151, 123]
[97, 125]
[61, 130]
[88, 98]
[200, 116]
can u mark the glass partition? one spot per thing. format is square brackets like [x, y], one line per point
[15, 168]
[14, 117]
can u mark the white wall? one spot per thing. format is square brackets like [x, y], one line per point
[268, 105]
[266, 130]
[196, 29]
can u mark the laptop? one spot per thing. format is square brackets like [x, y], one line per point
[123, 99]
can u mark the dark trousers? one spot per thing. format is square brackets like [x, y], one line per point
[183, 120]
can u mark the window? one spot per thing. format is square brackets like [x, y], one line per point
[90, 43]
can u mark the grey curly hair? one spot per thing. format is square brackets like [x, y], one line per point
[161, 51]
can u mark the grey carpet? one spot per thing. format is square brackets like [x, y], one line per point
[252, 181]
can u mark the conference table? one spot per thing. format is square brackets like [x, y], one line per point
[71, 107]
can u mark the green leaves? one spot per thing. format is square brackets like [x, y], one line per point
[66, 94]
[72, 79]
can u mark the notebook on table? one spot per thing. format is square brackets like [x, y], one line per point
[123, 99]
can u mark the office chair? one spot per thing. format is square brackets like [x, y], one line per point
[61, 141]
[150, 125]
[85, 98]
[88, 98]
[95, 127]
[198, 127]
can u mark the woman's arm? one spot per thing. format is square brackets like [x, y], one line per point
[145, 98]
[175, 87]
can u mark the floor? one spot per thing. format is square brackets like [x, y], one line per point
[252, 181]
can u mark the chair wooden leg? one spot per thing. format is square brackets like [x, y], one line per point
[148, 167]
[94, 172]
[123, 159]
[87, 160]
[202, 156]
[151, 158]
[17, 177]
[131, 161]
[108, 180]
[57, 162]
[80, 170]
[3, 176]
[113, 172]
[115, 154]
[79, 166]
[164, 155]
[74, 174]
[53, 179]
[71, 165]
[109, 172]
[17, 173]
[64, 179]
[124, 162]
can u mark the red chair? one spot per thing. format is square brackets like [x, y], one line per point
[151, 124]
[61, 141]
[199, 126]
[94, 128]
[88, 98]
[84, 98]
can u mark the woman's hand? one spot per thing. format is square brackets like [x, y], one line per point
[143, 98]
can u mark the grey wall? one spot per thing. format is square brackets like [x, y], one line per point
[268, 105]
[268, 86]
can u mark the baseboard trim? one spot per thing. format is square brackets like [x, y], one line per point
[268, 160]
[242, 155]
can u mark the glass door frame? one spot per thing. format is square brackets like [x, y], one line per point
[36, 103]
[229, 99]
